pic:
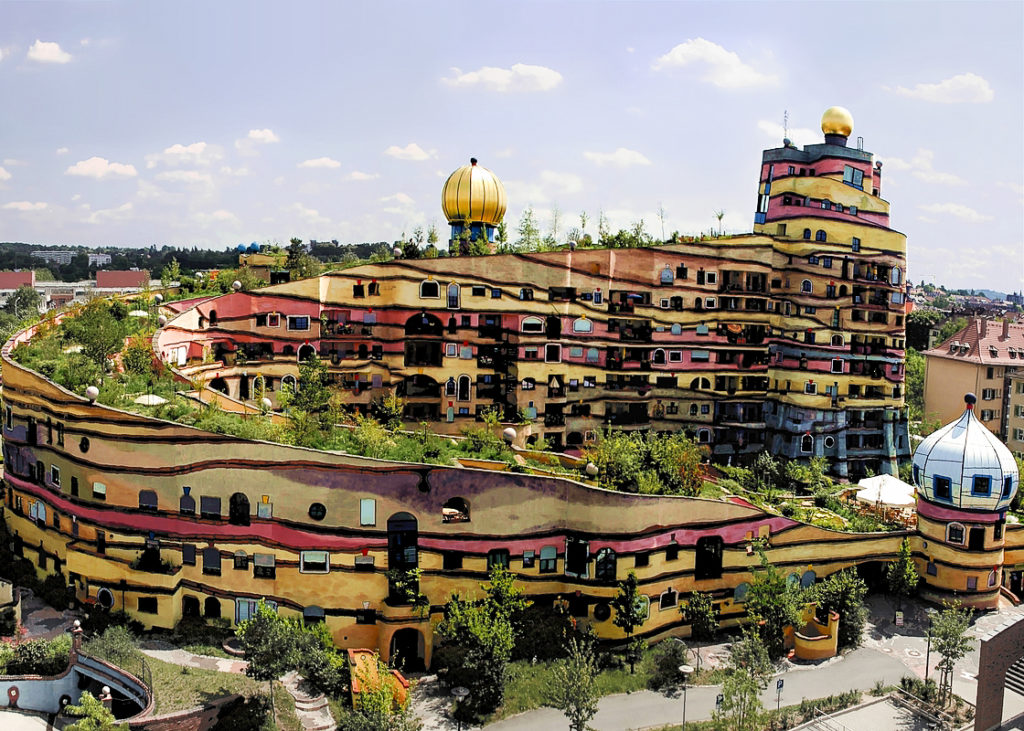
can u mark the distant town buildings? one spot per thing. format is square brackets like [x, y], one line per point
[98, 259]
[1015, 413]
[55, 257]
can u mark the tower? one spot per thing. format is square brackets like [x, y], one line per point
[965, 480]
[839, 305]
[473, 199]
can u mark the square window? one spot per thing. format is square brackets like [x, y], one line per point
[941, 487]
[99, 491]
[675, 356]
[314, 562]
[642, 559]
[548, 560]
[498, 557]
[264, 566]
[981, 485]
[188, 554]
[932, 569]
[528, 559]
[274, 320]
[495, 294]
[209, 507]
[451, 560]
[265, 510]
[672, 552]
[298, 322]
[148, 604]
[478, 291]
[972, 583]
[367, 511]
[55, 475]
[837, 365]
[955, 533]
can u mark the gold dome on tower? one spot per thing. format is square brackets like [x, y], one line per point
[473, 194]
[837, 121]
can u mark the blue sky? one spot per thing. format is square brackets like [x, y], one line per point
[213, 124]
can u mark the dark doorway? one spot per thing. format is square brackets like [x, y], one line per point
[976, 541]
[238, 509]
[218, 384]
[243, 388]
[553, 327]
[189, 606]
[406, 652]
[211, 608]
[708, 563]
[1015, 582]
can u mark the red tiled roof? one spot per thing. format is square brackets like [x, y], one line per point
[991, 348]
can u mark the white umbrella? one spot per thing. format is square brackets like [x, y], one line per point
[150, 399]
[886, 491]
[138, 313]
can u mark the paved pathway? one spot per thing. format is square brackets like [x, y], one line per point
[311, 707]
[169, 653]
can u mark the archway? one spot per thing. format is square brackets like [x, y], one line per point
[219, 384]
[238, 509]
[211, 608]
[424, 324]
[189, 606]
[305, 353]
[243, 388]
[407, 650]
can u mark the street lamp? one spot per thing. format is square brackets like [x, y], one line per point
[460, 695]
[928, 651]
[685, 671]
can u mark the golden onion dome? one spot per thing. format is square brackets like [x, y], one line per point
[837, 121]
[473, 194]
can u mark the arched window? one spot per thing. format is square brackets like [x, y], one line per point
[739, 594]
[699, 383]
[895, 275]
[667, 275]
[238, 509]
[593, 355]
[305, 353]
[805, 286]
[807, 234]
[826, 205]
[147, 500]
[658, 358]
[449, 387]
[808, 579]
[465, 387]
[582, 325]
[288, 382]
[605, 565]
[456, 510]
[187, 503]
[429, 289]
[424, 324]
[453, 296]
[837, 340]
[955, 533]
[703, 436]
[532, 325]
[819, 235]
[213, 317]
[211, 608]
[708, 558]
[806, 443]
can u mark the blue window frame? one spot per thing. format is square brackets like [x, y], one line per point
[942, 488]
[917, 475]
[981, 485]
[1007, 485]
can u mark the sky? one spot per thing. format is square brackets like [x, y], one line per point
[213, 124]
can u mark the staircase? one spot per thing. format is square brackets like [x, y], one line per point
[1015, 677]
[312, 710]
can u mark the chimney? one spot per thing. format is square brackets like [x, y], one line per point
[1006, 328]
[984, 326]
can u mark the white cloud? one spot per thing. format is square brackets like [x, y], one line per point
[957, 210]
[14, 162]
[723, 68]
[4, 175]
[76, 197]
[198, 153]
[547, 187]
[960, 89]
[309, 215]
[218, 216]
[63, 151]
[518, 77]
[100, 168]
[358, 175]
[561, 182]
[621, 158]
[47, 52]
[800, 136]
[412, 151]
[247, 145]
[24, 206]
[190, 177]
[921, 168]
[234, 172]
[120, 213]
[401, 198]
[505, 153]
[320, 162]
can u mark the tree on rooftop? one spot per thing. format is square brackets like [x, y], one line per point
[529, 233]
[99, 334]
[23, 302]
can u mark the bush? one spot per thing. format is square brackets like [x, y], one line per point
[97, 621]
[117, 645]
[40, 657]
[549, 630]
[667, 656]
[8, 622]
[54, 591]
[320, 663]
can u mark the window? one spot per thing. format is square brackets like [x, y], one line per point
[529, 557]
[451, 560]
[241, 561]
[532, 325]
[525, 294]
[577, 557]
[211, 561]
[582, 325]
[606, 565]
[710, 303]
[148, 605]
[265, 509]
[317, 511]
[99, 491]
[453, 296]
[837, 365]
[274, 320]
[708, 564]
[298, 322]
[314, 562]
[819, 235]
[955, 533]
[9, 417]
[264, 566]
[932, 569]
[429, 290]
[826, 261]
[972, 583]
[806, 443]
[209, 507]
[641, 559]
[358, 290]
[495, 293]
[498, 557]
[188, 554]
[548, 560]
[672, 552]
[826, 205]
[147, 500]
[712, 277]
[987, 415]
[856, 244]
[552, 353]
[807, 234]
[367, 511]
[1007, 486]
[853, 177]
[805, 286]
[981, 485]
[810, 388]
[55, 475]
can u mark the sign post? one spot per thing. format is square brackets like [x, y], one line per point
[778, 694]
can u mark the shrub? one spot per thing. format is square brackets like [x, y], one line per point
[40, 657]
[117, 645]
[54, 591]
[8, 622]
[667, 656]
[97, 621]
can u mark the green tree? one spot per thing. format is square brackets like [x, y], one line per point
[23, 303]
[93, 716]
[950, 642]
[170, 274]
[502, 237]
[299, 263]
[720, 214]
[701, 615]
[270, 644]
[137, 356]
[603, 231]
[772, 604]
[748, 670]
[901, 575]
[843, 592]
[914, 375]
[575, 686]
[630, 612]
[99, 334]
[432, 236]
[529, 233]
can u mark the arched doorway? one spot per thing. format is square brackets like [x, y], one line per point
[219, 384]
[305, 353]
[211, 608]
[238, 509]
[423, 324]
[189, 606]
[407, 650]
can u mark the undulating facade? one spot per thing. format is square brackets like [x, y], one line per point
[775, 340]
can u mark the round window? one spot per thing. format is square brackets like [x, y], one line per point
[83, 445]
[830, 442]
[317, 511]
[602, 611]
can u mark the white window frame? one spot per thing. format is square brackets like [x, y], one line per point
[305, 556]
[55, 475]
[292, 322]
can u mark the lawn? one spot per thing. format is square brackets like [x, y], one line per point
[177, 688]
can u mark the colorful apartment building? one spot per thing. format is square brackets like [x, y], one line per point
[791, 343]
[979, 358]
[1015, 413]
